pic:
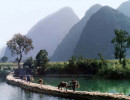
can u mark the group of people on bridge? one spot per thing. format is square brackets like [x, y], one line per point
[71, 84]
[28, 78]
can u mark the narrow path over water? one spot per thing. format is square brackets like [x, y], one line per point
[47, 89]
[101, 85]
[9, 92]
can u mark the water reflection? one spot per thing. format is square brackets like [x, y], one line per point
[111, 86]
[9, 92]
[108, 86]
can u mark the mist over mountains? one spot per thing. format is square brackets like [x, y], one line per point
[50, 31]
[65, 50]
[125, 8]
[96, 36]
[62, 34]
[99, 31]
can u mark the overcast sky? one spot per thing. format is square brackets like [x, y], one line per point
[20, 15]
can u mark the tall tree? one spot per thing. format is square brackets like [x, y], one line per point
[121, 42]
[18, 45]
[42, 59]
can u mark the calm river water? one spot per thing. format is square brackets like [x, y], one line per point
[108, 86]
[9, 92]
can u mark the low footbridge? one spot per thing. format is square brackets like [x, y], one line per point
[51, 90]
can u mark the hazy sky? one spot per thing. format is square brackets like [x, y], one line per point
[20, 15]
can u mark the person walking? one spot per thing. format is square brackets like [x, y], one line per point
[28, 78]
[73, 84]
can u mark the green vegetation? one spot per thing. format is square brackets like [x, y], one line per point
[121, 43]
[18, 45]
[41, 61]
[114, 70]
[29, 62]
[8, 64]
[4, 71]
[4, 59]
[111, 69]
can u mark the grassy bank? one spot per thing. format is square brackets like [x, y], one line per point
[4, 71]
[109, 69]
[5, 68]
[115, 70]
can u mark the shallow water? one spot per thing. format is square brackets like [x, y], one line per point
[108, 86]
[9, 92]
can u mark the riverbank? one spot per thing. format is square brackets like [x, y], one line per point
[65, 76]
[78, 67]
[107, 69]
[47, 89]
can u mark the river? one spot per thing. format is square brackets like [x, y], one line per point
[9, 92]
[101, 85]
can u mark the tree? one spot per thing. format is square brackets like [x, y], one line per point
[72, 66]
[42, 59]
[18, 45]
[29, 62]
[103, 62]
[72, 61]
[121, 43]
[4, 59]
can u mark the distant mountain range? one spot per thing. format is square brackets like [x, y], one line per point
[99, 31]
[125, 8]
[63, 35]
[65, 50]
[94, 32]
[50, 31]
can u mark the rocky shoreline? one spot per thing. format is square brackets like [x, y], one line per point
[50, 90]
